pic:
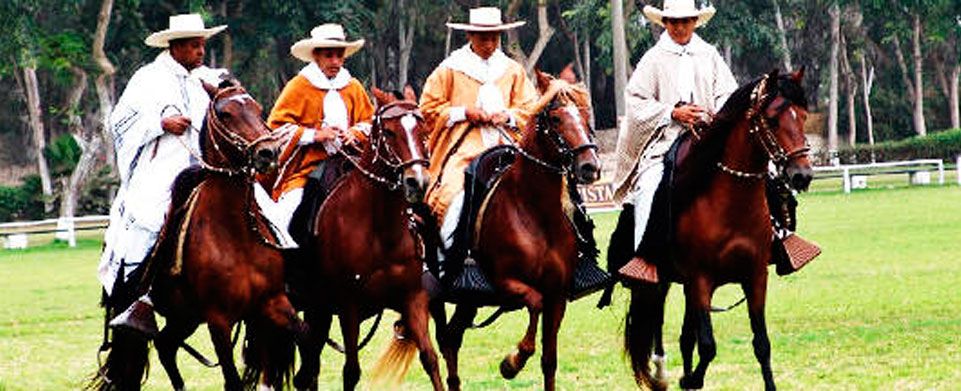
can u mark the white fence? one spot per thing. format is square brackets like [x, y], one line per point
[918, 171]
[15, 235]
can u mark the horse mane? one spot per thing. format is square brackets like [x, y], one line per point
[700, 163]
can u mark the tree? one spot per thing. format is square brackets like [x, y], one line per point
[835, 15]
[620, 54]
[544, 33]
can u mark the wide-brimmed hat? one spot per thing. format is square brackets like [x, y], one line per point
[182, 26]
[330, 35]
[679, 9]
[485, 19]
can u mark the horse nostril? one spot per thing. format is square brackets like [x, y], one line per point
[267, 154]
[412, 182]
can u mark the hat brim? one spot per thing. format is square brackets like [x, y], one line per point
[477, 28]
[656, 16]
[303, 49]
[161, 39]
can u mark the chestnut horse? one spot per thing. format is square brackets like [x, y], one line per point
[721, 224]
[363, 254]
[527, 245]
[215, 261]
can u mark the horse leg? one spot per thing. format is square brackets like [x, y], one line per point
[453, 338]
[514, 362]
[310, 349]
[553, 314]
[350, 327]
[756, 293]
[417, 322]
[659, 358]
[168, 343]
[219, 329]
[688, 339]
[699, 301]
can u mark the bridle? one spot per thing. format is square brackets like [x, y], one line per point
[218, 132]
[545, 127]
[383, 152]
[762, 128]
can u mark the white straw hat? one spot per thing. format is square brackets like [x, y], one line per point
[182, 26]
[330, 35]
[485, 19]
[679, 9]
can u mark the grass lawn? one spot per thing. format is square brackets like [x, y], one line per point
[878, 310]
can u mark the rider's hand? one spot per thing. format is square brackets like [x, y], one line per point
[175, 125]
[688, 114]
[347, 137]
[477, 116]
[499, 118]
[326, 133]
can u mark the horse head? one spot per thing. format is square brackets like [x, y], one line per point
[780, 109]
[236, 135]
[564, 116]
[397, 138]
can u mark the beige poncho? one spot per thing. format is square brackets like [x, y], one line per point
[667, 74]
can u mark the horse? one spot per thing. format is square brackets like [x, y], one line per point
[721, 223]
[528, 245]
[363, 254]
[216, 261]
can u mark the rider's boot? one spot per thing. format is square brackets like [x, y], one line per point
[139, 316]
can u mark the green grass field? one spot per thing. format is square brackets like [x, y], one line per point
[881, 309]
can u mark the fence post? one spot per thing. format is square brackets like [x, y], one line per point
[66, 231]
[847, 180]
[958, 167]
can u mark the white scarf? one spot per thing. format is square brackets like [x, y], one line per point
[335, 110]
[685, 64]
[487, 72]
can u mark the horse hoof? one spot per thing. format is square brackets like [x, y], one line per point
[690, 383]
[508, 370]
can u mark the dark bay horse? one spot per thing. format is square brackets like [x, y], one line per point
[363, 254]
[527, 244]
[215, 261]
[721, 222]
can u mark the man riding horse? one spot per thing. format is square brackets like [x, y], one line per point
[476, 99]
[155, 127]
[677, 86]
[328, 109]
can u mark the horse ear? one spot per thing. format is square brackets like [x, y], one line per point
[568, 75]
[543, 80]
[409, 93]
[381, 97]
[210, 88]
[798, 75]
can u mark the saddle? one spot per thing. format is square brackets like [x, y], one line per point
[320, 182]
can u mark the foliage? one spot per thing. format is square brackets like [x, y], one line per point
[944, 145]
[23, 202]
[62, 155]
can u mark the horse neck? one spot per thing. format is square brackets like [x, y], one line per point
[742, 153]
[532, 178]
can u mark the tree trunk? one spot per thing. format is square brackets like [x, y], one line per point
[544, 34]
[918, 83]
[228, 39]
[35, 118]
[835, 14]
[620, 54]
[850, 87]
[104, 83]
[782, 36]
[89, 142]
[953, 96]
[405, 41]
[867, 81]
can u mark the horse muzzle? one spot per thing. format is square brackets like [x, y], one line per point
[265, 158]
[415, 181]
[588, 170]
[799, 175]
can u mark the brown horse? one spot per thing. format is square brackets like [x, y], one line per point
[721, 223]
[528, 245]
[363, 254]
[215, 261]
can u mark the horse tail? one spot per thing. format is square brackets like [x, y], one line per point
[640, 326]
[394, 363]
[268, 355]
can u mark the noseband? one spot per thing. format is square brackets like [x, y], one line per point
[546, 128]
[382, 149]
[217, 131]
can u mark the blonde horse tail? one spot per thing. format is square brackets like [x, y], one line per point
[393, 364]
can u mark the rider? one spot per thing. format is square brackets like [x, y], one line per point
[678, 84]
[326, 108]
[476, 90]
[155, 127]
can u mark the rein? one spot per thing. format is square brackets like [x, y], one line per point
[567, 152]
